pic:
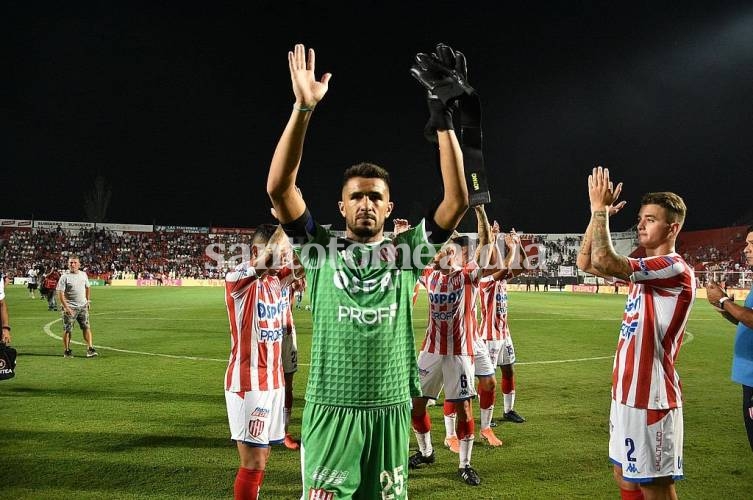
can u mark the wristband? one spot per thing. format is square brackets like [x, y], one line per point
[723, 300]
[6, 327]
[304, 109]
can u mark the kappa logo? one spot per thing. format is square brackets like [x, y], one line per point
[632, 469]
[321, 494]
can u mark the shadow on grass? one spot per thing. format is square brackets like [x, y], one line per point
[71, 393]
[116, 475]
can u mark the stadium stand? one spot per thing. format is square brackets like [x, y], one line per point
[194, 252]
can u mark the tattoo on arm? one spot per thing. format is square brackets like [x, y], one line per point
[603, 257]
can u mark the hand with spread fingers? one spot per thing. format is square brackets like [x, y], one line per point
[307, 89]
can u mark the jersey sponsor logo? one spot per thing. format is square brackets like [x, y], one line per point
[260, 412]
[354, 284]
[265, 310]
[445, 298]
[643, 265]
[321, 494]
[367, 315]
[658, 450]
[326, 475]
[255, 427]
[630, 319]
[442, 315]
[271, 334]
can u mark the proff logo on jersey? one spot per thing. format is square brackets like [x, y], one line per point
[321, 494]
[367, 315]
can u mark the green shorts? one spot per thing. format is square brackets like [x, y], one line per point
[359, 453]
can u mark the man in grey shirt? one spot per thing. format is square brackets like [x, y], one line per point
[73, 295]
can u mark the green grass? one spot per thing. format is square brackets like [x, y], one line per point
[130, 425]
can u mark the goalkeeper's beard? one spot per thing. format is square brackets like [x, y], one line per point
[365, 231]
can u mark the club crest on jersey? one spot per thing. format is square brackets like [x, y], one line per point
[320, 494]
[255, 427]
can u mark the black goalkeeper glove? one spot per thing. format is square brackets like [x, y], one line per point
[444, 75]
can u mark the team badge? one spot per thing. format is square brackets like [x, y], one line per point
[320, 494]
[255, 427]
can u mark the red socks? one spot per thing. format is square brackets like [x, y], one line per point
[464, 429]
[247, 484]
[448, 408]
[508, 385]
[421, 424]
[631, 494]
[485, 399]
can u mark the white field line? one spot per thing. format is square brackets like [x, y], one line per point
[47, 329]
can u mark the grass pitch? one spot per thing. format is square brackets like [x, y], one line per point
[146, 419]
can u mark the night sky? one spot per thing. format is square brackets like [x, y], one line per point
[179, 107]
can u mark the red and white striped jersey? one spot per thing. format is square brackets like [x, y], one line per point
[452, 310]
[493, 309]
[660, 298]
[256, 310]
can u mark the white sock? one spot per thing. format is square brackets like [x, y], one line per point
[486, 417]
[424, 443]
[449, 425]
[466, 448]
[509, 399]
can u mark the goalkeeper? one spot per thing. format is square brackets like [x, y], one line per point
[356, 420]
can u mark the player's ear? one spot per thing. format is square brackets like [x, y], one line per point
[390, 207]
[341, 207]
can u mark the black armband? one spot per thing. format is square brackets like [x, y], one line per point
[434, 233]
[300, 229]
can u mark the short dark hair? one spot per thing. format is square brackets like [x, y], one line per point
[675, 206]
[368, 170]
[461, 240]
[263, 233]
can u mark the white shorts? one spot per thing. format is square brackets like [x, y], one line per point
[482, 363]
[506, 354]
[256, 417]
[646, 449]
[290, 352]
[453, 372]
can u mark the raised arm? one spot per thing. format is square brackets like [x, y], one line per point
[287, 201]
[455, 192]
[486, 252]
[603, 196]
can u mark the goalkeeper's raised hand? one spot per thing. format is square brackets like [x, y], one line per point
[307, 89]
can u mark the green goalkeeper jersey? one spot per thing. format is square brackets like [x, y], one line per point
[363, 351]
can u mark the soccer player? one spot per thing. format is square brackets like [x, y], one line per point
[447, 353]
[290, 352]
[74, 298]
[645, 421]
[5, 336]
[494, 328]
[255, 379]
[356, 419]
